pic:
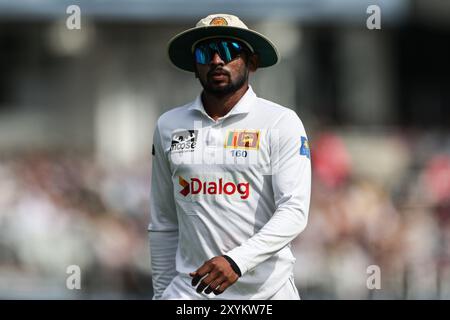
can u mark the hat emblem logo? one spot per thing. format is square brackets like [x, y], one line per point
[218, 21]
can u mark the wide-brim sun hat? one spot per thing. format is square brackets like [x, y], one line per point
[181, 47]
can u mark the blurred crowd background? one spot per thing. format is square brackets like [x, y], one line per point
[78, 109]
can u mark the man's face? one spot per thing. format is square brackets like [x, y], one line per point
[220, 78]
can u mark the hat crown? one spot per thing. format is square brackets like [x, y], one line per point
[226, 20]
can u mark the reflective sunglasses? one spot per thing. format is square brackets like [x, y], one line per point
[228, 50]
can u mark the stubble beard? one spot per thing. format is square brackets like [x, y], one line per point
[230, 88]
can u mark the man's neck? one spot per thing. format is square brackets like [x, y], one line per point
[217, 107]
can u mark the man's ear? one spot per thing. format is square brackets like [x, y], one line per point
[253, 62]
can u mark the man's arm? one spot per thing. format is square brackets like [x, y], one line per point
[291, 182]
[163, 229]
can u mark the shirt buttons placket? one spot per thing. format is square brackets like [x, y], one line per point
[217, 133]
[209, 137]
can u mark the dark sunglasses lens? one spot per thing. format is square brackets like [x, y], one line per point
[202, 55]
[224, 51]
[227, 50]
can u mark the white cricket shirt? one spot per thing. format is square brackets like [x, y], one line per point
[238, 186]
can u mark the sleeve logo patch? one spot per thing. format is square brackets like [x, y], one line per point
[304, 149]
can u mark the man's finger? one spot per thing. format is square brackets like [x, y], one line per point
[207, 280]
[196, 279]
[200, 273]
[216, 283]
[222, 288]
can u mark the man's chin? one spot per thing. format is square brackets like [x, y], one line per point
[220, 89]
[218, 85]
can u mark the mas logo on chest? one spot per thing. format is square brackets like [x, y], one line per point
[184, 141]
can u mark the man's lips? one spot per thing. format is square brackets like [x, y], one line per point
[218, 75]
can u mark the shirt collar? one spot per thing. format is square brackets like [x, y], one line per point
[243, 105]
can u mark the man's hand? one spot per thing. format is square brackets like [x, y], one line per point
[219, 276]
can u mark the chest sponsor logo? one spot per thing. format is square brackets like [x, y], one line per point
[198, 186]
[242, 139]
[184, 141]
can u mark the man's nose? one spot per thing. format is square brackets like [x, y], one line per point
[216, 59]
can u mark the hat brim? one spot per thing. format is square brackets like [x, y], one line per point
[180, 46]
